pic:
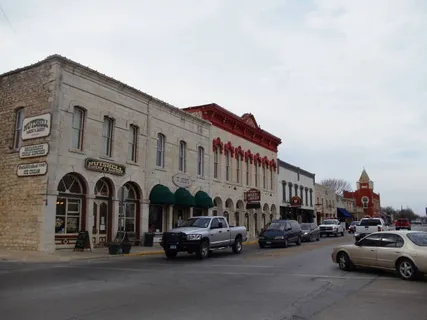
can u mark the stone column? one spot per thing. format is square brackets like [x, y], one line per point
[210, 212]
[89, 217]
[169, 219]
[191, 212]
[145, 214]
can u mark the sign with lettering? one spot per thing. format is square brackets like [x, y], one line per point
[182, 180]
[35, 150]
[252, 195]
[32, 169]
[36, 127]
[105, 166]
[296, 201]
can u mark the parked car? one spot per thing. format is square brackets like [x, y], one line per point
[368, 226]
[402, 251]
[203, 235]
[310, 232]
[402, 223]
[331, 227]
[352, 227]
[281, 233]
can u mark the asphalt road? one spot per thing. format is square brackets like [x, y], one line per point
[293, 283]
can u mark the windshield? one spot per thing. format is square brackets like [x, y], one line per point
[305, 226]
[329, 222]
[370, 222]
[276, 226]
[418, 238]
[355, 223]
[196, 223]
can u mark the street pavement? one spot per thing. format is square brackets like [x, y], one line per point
[298, 282]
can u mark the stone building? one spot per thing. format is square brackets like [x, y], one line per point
[326, 203]
[296, 191]
[85, 152]
[365, 197]
[346, 209]
[243, 166]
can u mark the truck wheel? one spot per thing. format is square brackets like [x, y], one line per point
[285, 244]
[298, 243]
[171, 254]
[237, 246]
[203, 251]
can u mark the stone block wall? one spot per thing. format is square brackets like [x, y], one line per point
[22, 199]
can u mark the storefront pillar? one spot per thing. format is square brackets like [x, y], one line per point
[90, 221]
[210, 212]
[169, 218]
[191, 212]
[145, 213]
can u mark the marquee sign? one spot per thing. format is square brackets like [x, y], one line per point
[252, 195]
[105, 166]
[36, 127]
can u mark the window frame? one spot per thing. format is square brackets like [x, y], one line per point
[182, 165]
[17, 130]
[238, 170]
[216, 164]
[227, 166]
[79, 131]
[160, 150]
[200, 161]
[108, 139]
[133, 143]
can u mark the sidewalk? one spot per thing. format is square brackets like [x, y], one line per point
[66, 255]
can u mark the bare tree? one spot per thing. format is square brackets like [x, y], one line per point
[338, 185]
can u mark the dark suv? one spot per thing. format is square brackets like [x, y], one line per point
[281, 233]
[402, 223]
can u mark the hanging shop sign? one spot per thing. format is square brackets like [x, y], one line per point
[182, 180]
[105, 166]
[252, 195]
[36, 127]
[32, 169]
[296, 201]
[35, 150]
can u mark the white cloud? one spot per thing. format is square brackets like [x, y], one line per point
[342, 82]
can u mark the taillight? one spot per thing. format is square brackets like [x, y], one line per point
[379, 229]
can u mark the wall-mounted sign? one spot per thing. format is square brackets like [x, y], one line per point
[35, 150]
[182, 180]
[296, 201]
[105, 166]
[32, 169]
[36, 127]
[252, 195]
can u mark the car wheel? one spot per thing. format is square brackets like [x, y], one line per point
[298, 243]
[344, 261]
[237, 246]
[203, 251]
[342, 234]
[406, 269]
[261, 245]
[285, 243]
[318, 238]
[171, 254]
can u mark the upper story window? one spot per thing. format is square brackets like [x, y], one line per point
[263, 178]
[216, 163]
[133, 143]
[78, 128]
[19, 118]
[301, 192]
[256, 174]
[284, 191]
[237, 168]
[160, 156]
[201, 161]
[227, 166]
[247, 172]
[182, 156]
[107, 136]
[306, 196]
[271, 180]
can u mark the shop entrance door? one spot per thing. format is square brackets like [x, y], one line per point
[101, 223]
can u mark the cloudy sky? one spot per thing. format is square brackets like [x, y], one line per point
[342, 82]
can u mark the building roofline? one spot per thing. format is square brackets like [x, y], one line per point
[58, 57]
[296, 169]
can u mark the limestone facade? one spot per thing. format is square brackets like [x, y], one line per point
[244, 157]
[326, 203]
[107, 140]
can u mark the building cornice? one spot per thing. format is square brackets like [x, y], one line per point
[288, 166]
[239, 126]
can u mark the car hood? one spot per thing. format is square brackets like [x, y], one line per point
[187, 230]
[272, 233]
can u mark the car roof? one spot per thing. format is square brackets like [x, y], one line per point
[399, 232]
[284, 220]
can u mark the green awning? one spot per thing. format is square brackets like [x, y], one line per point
[203, 200]
[184, 198]
[161, 194]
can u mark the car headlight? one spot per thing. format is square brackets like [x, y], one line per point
[194, 236]
[305, 233]
[279, 238]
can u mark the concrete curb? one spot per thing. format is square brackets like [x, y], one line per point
[152, 253]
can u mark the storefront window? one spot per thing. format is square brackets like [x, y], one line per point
[155, 219]
[129, 217]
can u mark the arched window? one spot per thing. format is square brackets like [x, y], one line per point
[19, 118]
[69, 205]
[247, 221]
[130, 199]
[160, 157]
[237, 218]
[264, 222]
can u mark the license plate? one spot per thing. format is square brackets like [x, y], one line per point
[172, 246]
[268, 242]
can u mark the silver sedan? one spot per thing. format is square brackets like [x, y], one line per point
[402, 251]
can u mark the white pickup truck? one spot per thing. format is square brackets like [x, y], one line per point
[368, 226]
[331, 227]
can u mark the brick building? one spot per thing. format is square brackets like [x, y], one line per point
[365, 197]
[84, 152]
